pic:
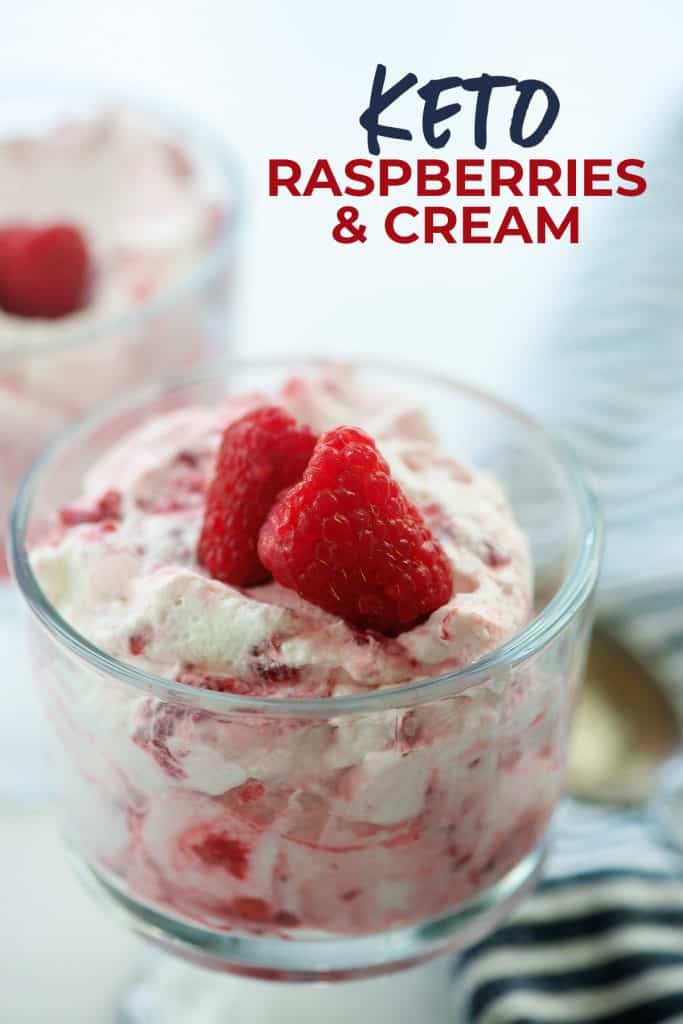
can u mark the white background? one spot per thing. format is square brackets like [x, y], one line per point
[290, 79]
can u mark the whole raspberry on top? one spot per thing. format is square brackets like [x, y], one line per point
[347, 539]
[261, 453]
[44, 271]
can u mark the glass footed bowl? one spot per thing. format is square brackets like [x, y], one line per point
[285, 869]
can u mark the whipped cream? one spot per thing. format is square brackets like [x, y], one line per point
[142, 579]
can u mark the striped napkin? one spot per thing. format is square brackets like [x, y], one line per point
[601, 942]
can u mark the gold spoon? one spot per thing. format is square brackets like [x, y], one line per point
[624, 729]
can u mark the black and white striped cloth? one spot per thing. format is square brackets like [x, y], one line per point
[601, 941]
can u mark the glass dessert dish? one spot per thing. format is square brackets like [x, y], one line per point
[158, 204]
[289, 838]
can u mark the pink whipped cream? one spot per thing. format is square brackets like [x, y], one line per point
[343, 823]
[150, 213]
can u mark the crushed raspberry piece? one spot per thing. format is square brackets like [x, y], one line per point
[44, 271]
[493, 557]
[432, 510]
[216, 849]
[136, 645]
[108, 507]
[157, 723]
[410, 731]
[261, 453]
[219, 684]
[251, 909]
[256, 686]
[276, 672]
[508, 760]
[287, 919]
[347, 539]
[445, 627]
[460, 857]
[250, 791]
[138, 641]
[189, 459]
[410, 835]
[183, 487]
[439, 521]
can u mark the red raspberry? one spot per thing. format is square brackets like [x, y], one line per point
[262, 453]
[44, 272]
[347, 539]
[216, 849]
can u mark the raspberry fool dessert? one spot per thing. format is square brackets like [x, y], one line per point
[315, 548]
[111, 234]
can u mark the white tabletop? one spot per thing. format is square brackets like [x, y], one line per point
[63, 958]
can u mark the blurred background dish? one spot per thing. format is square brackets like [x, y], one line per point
[155, 203]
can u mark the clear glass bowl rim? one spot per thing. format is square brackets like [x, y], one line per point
[177, 123]
[575, 590]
